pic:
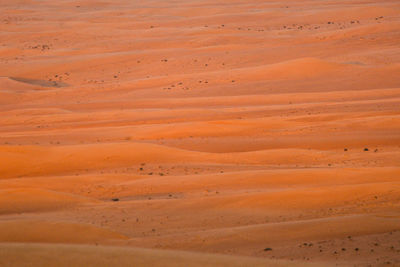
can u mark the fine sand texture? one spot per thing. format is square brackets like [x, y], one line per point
[199, 133]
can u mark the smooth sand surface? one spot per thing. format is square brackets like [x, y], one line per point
[199, 133]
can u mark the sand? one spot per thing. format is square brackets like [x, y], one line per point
[199, 133]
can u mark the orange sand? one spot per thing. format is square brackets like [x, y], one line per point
[222, 128]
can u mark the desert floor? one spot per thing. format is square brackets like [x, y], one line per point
[199, 133]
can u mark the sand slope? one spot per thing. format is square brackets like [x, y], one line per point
[44, 255]
[266, 131]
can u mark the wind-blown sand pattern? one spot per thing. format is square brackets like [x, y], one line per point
[199, 133]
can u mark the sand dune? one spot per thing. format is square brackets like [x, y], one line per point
[199, 133]
[44, 255]
[298, 68]
[19, 200]
[256, 236]
[35, 161]
[54, 232]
